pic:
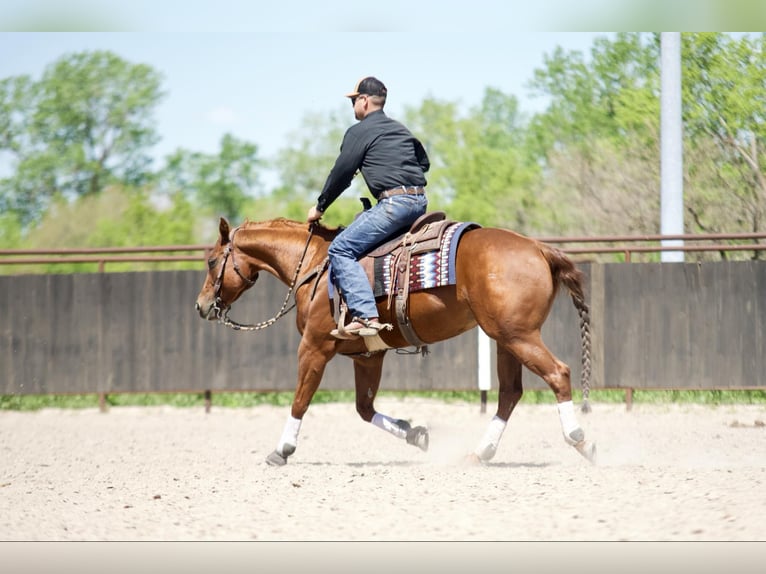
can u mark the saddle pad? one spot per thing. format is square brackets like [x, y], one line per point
[427, 270]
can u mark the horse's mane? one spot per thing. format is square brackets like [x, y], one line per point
[281, 222]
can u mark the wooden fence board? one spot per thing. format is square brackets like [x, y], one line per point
[653, 326]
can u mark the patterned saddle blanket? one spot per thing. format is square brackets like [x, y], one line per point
[429, 269]
[434, 267]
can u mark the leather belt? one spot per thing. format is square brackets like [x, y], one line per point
[402, 190]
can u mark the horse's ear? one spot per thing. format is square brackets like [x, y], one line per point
[223, 229]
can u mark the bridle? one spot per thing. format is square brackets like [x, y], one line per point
[218, 305]
[222, 309]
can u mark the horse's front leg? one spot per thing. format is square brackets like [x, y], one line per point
[367, 374]
[312, 360]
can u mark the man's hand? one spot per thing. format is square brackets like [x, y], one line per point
[314, 215]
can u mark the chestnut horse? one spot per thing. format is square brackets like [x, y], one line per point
[505, 283]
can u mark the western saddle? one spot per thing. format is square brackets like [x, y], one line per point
[424, 235]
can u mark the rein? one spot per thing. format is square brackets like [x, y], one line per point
[223, 310]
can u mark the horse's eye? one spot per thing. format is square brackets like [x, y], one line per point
[211, 263]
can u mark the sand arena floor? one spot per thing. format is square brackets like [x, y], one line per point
[667, 472]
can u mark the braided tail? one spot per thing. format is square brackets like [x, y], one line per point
[564, 271]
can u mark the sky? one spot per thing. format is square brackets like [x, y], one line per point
[256, 69]
[259, 86]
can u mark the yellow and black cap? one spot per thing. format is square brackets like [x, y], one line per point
[370, 86]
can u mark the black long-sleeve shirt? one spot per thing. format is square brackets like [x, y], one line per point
[386, 153]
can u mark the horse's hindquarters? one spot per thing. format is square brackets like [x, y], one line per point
[505, 280]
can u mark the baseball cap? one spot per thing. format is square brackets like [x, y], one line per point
[370, 86]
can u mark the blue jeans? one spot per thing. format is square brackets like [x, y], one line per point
[368, 230]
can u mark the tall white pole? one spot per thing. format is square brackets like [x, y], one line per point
[671, 144]
[485, 367]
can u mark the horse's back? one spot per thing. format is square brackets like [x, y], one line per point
[493, 252]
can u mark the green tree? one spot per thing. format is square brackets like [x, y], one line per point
[87, 124]
[724, 112]
[221, 183]
[10, 230]
[599, 139]
[113, 218]
[480, 168]
[16, 95]
[595, 98]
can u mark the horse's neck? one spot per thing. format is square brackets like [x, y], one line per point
[277, 247]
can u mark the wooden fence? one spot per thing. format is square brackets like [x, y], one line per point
[139, 332]
[654, 326]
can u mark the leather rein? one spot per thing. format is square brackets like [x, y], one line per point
[222, 309]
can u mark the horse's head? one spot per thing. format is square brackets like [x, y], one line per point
[226, 279]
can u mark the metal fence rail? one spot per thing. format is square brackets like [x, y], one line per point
[631, 243]
[574, 245]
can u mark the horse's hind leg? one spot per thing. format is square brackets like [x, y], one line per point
[509, 393]
[533, 353]
[367, 373]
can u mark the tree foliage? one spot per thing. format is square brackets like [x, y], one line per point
[600, 137]
[85, 125]
[480, 168]
[116, 217]
[77, 143]
[220, 184]
[724, 109]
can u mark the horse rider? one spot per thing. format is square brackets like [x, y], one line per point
[393, 163]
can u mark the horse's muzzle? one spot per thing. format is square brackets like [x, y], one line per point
[210, 312]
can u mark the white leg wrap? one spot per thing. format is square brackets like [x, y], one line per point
[491, 438]
[389, 425]
[569, 423]
[289, 434]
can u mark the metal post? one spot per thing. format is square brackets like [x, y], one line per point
[485, 361]
[671, 144]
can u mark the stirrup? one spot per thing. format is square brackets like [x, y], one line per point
[340, 332]
[370, 329]
[343, 334]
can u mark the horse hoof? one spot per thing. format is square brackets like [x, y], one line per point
[487, 453]
[418, 436]
[287, 450]
[575, 437]
[472, 459]
[276, 459]
[587, 449]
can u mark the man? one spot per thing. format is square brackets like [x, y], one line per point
[393, 164]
